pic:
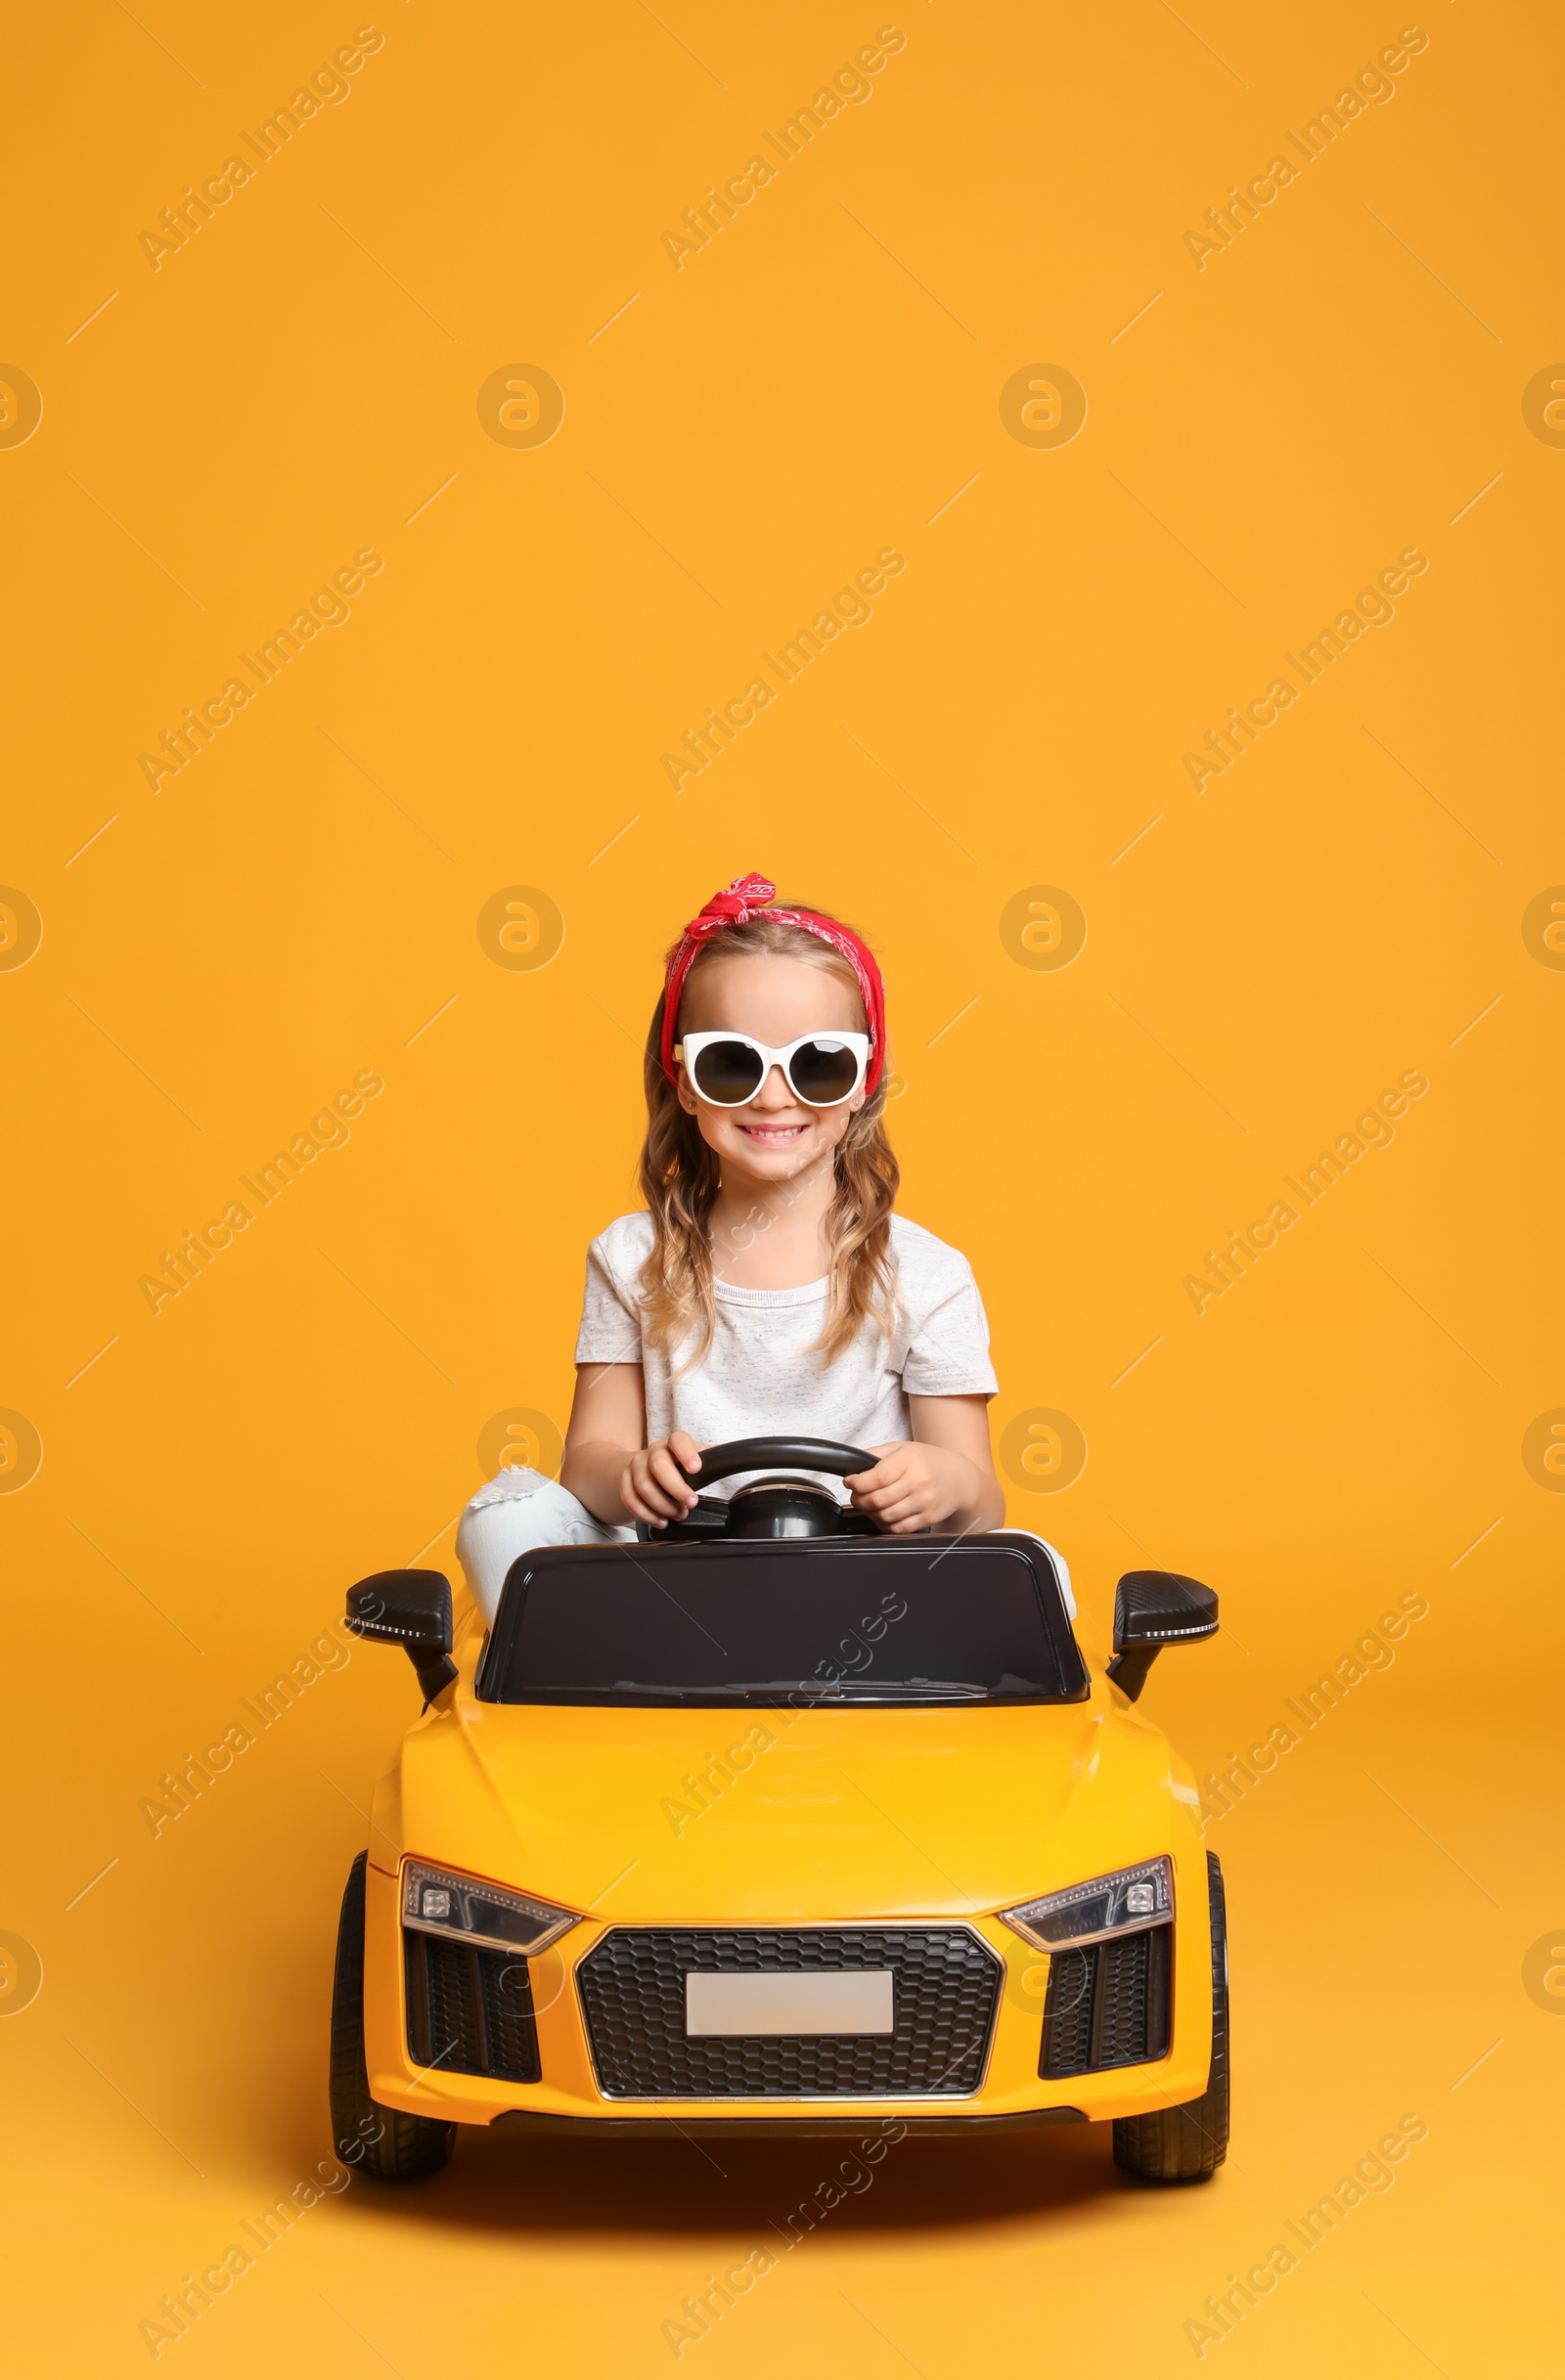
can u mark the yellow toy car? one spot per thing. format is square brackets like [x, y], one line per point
[773, 1823]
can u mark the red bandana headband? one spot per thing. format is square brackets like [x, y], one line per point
[757, 897]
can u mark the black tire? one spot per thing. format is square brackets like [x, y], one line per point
[383, 2142]
[1188, 2144]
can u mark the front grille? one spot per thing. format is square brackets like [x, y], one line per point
[945, 1990]
[469, 2011]
[1108, 2004]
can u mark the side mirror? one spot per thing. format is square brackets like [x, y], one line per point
[1154, 1608]
[411, 1609]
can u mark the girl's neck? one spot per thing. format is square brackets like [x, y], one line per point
[771, 1234]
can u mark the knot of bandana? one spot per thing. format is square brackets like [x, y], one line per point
[745, 897]
[755, 896]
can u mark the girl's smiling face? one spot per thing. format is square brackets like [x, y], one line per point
[775, 1000]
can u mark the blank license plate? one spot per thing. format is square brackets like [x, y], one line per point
[830, 2003]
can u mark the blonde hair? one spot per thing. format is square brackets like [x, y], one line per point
[680, 1177]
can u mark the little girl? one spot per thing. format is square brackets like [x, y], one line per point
[768, 1289]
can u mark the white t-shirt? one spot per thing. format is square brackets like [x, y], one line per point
[761, 1376]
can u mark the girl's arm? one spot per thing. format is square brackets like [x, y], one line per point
[608, 1466]
[942, 1478]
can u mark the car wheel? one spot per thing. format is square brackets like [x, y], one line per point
[383, 2142]
[1188, 2144]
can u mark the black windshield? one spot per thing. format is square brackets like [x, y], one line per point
[843, 1623]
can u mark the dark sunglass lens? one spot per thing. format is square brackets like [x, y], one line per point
[822, 1072]
[728, 1073]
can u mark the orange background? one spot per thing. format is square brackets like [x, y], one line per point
[291, 909]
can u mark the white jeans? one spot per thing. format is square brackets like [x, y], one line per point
[521, 1510]
[515, 1513]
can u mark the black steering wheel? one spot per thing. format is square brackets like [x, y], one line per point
[770, 1508]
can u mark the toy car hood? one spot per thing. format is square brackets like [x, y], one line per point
[741, 1815]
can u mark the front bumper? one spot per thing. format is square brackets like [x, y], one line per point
[1010, 2092]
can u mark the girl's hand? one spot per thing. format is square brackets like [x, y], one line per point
[651, 1487]
[914, 1486]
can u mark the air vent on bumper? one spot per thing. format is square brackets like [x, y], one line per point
[469, 2011]
[1108, 2006]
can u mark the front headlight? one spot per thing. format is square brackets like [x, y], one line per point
[488, 1915]
[1126, 1902]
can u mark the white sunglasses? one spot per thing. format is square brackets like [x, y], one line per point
[820, 1069]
